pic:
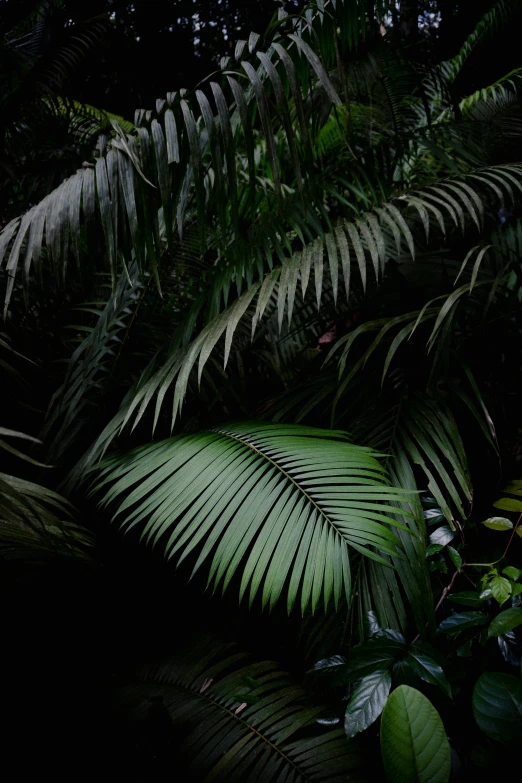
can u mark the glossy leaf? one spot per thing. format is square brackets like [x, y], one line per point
[498, 523]
[413, 741]
[505, 621]
[367, 702]
[427, 669]
[497, 706]
[442, 536]
[456, 623]
[377, 654]
[467, 598]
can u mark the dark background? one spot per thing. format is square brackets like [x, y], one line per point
[155, 46]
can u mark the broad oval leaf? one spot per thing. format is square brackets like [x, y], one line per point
[505, 621]
[498, 523]
[497, 706]
[413, 741]
[283, 504]
[467, 598]
[508, 504]
[442, 536]
[459, 622]
[367, 702]
[512, 573]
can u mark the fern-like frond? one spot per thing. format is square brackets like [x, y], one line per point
[241, 721]
[490, 23]
[293, 502]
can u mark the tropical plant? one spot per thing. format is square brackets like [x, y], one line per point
[323, 241]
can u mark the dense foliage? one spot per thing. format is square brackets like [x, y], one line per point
[320, 244]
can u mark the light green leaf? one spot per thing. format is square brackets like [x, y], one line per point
[413, 741]
[500, 589]
[498, 523]
[508, 504]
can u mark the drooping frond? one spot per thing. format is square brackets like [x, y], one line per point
[345, 257]
[293, 502]
[89, 363]
[241, 722]
[489, 23]
[34, 520]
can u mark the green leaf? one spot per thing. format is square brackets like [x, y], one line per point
[253, 498]
[497, 706]
[467, 598]
[511, 572]
[428, 670]
[514, 487]
[442, 536]
[377, 654]
[455, 558]
[367, 702]
[456, 623]
[432, 549]
[241, 720]
[505, 621]
[500, 589]
[498, 523]
[413, 741]
[508, 504]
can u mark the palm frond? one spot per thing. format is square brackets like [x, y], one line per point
[489, 23]
[241, 721]
[293, 501]
[37, 522]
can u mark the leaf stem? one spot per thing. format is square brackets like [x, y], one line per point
[511, 538]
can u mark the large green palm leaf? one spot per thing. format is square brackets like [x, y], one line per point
[242, 722]
[288, 506]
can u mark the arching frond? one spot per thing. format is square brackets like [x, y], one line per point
[242, 722]
[489, 23]
[293, 502]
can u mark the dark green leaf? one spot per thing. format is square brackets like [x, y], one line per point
[377, 654]
[428, 670]
[459, 622]
[467, 598]
[505, 621]
[455, 558]
[497, 706]
[367, 702]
